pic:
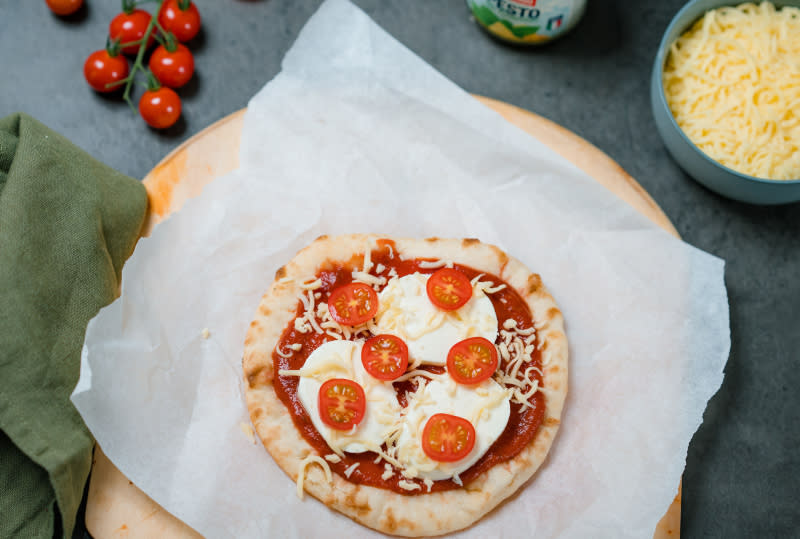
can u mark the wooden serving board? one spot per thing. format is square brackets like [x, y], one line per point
[115, 507]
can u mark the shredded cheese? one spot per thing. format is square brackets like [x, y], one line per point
[301, 476]
[492, 289]
[350, 469]
[408, 485]
[312, 285]
[368, 278]
[414, 373]
[368, 258]
[248, 431]
[388, 472]
[282, 353]
[409, 473]
[333, 457]
[432, 264]
[732, 82]
[516, 349]
[485, 287]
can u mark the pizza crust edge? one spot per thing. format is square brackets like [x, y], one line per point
[381, 509]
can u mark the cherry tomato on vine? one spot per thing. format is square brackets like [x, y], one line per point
[385, 357]
[172, 68]
[64, 7]
[353, 304]
[472, 361]
[449, 289]
[341, 403]
[104, 67]
[160, 107]
[447, 438]
[131, 26]
[180, 17]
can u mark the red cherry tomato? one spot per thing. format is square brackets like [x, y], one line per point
[64, 7]
[341, 403]
[173, 69]
[447, 438]
[449, 289]
[472, 361]
[160, 108]
[129, 27]
[101, 69]
[184, 23]
[385, 356]
[353, 304]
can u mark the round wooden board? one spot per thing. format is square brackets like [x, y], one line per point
[115, 506]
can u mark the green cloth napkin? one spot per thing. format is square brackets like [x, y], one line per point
[67, 224]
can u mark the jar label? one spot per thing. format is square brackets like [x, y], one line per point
[527, 21]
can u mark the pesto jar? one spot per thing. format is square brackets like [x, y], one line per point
[527, 22]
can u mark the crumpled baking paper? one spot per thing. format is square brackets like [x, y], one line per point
[357, 134]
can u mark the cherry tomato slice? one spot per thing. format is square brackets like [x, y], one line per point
[341, 403]
[353, 304]
[449, 289]
[447, 438]
[385, 357]
[472, 361]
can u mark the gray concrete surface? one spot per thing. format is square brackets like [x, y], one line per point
[742, 469]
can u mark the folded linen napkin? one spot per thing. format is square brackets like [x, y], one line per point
[67, 224]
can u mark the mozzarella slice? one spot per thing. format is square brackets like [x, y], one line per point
[405, 311]
[485, 405]
[342, 359]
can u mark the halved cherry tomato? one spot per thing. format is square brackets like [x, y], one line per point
[181, 18]
[385, 356]
[102, 68]
[447, 438]
[129, 27]
[64, 7]
[174, 67]
[353, 304]
[472, 361]
[341, 403]
[449, 289]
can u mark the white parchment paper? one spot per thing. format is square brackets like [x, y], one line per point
[356, 134]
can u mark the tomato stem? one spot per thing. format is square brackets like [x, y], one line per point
[166, 36]
[152, 82]
[116, 83]
[138, 63]
[113, 47]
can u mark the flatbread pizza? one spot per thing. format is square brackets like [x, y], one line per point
[411, 385]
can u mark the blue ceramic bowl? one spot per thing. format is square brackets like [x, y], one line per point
[698, 165]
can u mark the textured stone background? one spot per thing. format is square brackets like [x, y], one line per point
[742, 469]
